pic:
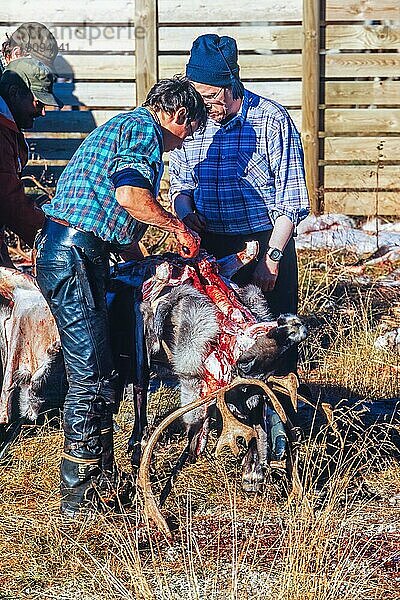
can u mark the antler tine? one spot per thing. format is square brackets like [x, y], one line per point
[289, 383]
[231, 428]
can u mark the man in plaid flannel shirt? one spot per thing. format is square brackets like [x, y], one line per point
[105, 198]
[242, 177]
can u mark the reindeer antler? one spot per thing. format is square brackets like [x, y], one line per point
[286, 384]
[151, 509]
[231, 428]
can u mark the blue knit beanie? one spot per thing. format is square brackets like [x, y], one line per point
[214, 61]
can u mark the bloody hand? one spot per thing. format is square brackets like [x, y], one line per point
[189, 243]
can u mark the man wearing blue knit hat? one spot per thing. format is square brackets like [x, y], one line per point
[242, 177]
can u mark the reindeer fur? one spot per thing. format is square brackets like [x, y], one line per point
[190, 317]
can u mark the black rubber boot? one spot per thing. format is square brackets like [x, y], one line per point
[108, 467]
[79, 486]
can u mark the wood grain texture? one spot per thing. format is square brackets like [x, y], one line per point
[357, 176]
[84, 37]
[237, 11]
[362, 203]
[379, 93]
[359, 10]
[170, 11]
[363, 37]
[310, 99]
[146, 51]
[97, 94]
[362, 121]
[96, 67]
[255, 38]
[362, 149]
[363, 65]
[73, 11]
[253, 66]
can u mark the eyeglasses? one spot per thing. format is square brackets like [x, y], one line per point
[216, 97]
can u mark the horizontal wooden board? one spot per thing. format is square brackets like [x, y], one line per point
[362, 149]
[88, 38]
[94, 66]
[368, 121]
[359, 37]
[362, 65]
[114, 67]
[362, 10]
[121, 38]
[169, 11]
[362, 203]
[54, 135]
[73, 11]
[97, 94]
[359, 176]
[287, 93]
[77, 121]
[249, 37]
[252, 66]
[209, 11]
[379, 93]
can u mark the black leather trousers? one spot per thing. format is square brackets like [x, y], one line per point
[72, 271]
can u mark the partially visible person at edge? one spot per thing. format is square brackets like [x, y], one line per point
[242, 177]
[105, 199]
[26, 87]
[30, 39]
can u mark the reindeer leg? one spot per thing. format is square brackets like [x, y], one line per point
[141, 383]
[8, 435]
[174, 474]
[252, 473]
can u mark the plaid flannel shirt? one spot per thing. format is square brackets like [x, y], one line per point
[85, 195]
[244, 174]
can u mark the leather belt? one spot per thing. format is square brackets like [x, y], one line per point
[66, 235]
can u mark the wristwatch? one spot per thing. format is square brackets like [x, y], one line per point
[274, 253]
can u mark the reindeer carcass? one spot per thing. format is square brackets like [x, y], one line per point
[29, 344]
[216, 332]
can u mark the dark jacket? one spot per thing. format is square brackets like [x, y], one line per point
[17, 212]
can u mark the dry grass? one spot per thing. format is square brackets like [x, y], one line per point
[338, 543]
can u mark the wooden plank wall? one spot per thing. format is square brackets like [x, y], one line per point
[359, 115]
[96, 66]
[360, 107]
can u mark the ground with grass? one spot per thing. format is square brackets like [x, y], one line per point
[341, 541]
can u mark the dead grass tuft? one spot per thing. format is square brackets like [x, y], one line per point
[341, 542]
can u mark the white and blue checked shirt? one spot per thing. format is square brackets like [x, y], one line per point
[244, 174]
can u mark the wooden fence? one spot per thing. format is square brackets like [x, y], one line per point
[335, 64]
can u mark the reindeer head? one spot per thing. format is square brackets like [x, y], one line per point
[258, 359]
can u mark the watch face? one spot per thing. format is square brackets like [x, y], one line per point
[275, 254]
